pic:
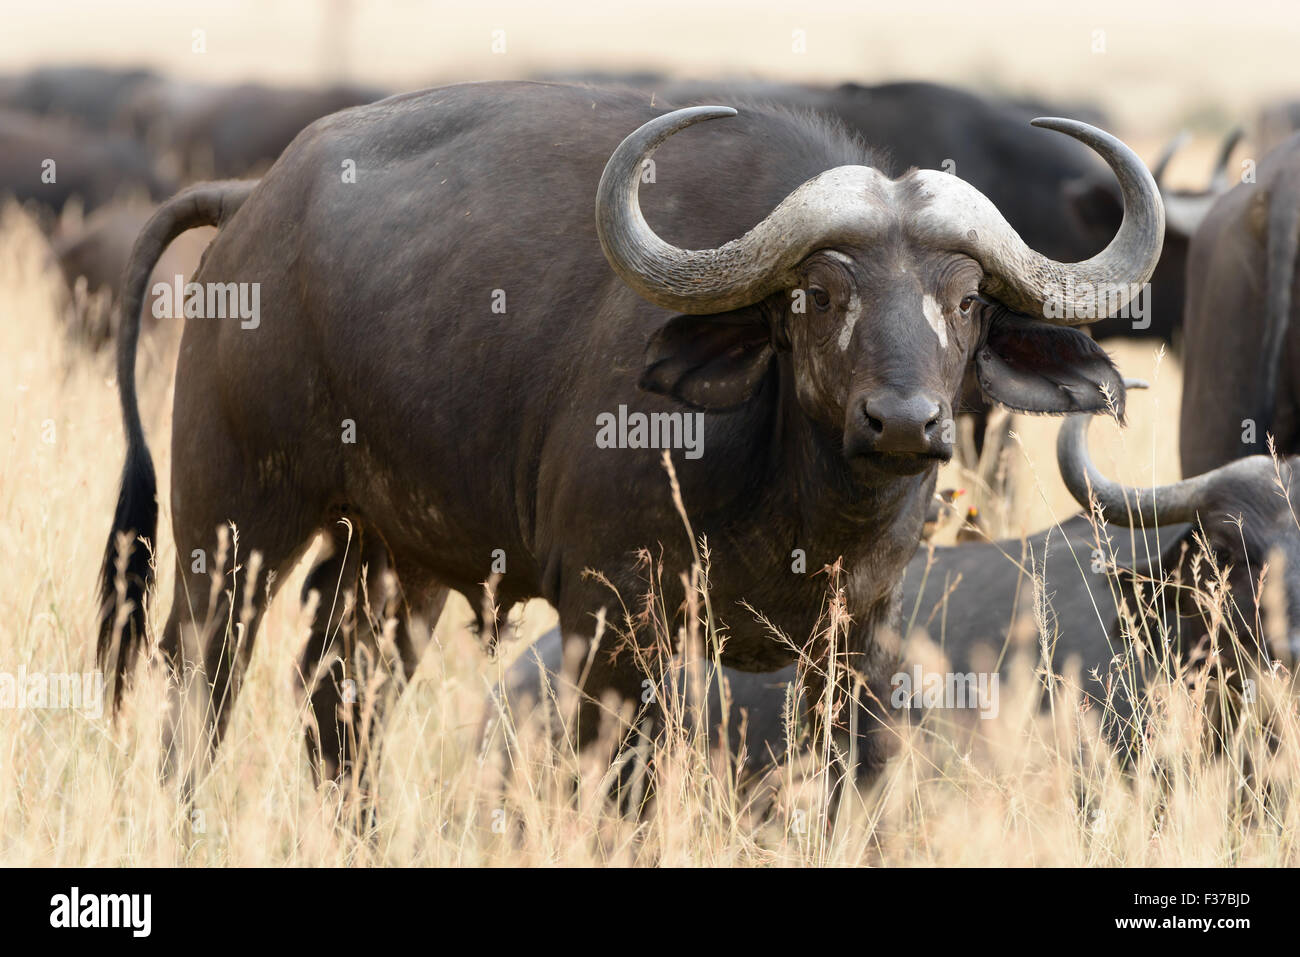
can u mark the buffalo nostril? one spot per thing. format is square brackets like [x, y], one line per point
[903, 424]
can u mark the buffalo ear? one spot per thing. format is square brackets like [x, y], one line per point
[1032, 366]
[709, 362]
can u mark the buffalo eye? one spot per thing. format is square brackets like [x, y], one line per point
[820, 297]
[968, 303]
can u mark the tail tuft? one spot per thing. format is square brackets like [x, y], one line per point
[127, 572]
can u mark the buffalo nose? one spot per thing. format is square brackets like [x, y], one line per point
[906, 425]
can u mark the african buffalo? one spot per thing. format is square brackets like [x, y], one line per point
[94, 253]
[1185, 209]
[978, 601]
[1239, 378]
[447, 343]
[50, 161]
[90, 96]
[154, 111]
[226, 132]
[1274, 124]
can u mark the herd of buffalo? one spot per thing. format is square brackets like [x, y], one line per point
[455, 285]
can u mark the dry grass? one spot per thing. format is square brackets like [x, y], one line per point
[1029, 787]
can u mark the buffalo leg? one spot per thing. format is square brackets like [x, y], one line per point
[854, 712]
[617, 707]
[361, 625]
[222, 588]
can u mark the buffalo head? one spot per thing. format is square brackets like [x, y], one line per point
[1245, 512]
[881, 291]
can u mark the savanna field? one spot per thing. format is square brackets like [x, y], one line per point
[1030, 786]
[1201, 773]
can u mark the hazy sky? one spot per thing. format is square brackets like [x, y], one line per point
[1141, 60]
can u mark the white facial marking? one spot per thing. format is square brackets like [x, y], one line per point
[851, 317]
[934, 316]
[854, 312]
